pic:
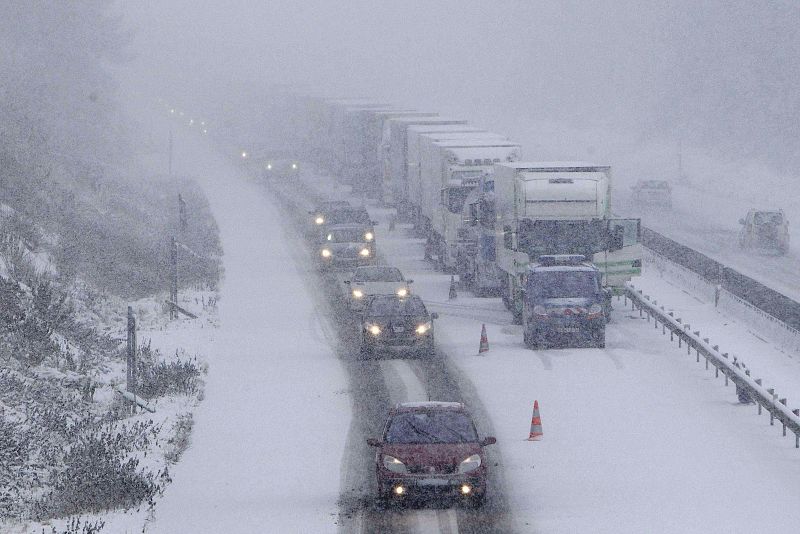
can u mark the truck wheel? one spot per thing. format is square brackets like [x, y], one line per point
[600, 339]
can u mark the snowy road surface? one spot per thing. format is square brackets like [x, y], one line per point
[638, 437]
[269, 437]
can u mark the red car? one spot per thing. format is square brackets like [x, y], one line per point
[431, 449]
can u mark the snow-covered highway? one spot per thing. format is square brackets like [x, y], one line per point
[628, 429]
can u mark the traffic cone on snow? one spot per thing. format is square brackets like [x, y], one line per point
[452, 294]
[536, 424]
[484, 341]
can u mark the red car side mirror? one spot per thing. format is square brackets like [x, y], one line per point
[490, 440]
[372, 442]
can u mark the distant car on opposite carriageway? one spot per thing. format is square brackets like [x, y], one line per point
[652, 193]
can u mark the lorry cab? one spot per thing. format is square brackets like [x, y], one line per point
[564, 300]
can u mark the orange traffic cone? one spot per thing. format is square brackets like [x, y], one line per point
[484, 341]
[536, 424]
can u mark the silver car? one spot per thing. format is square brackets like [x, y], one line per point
[368, 281]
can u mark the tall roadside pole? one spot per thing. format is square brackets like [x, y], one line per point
[131, 375]
[173, 289]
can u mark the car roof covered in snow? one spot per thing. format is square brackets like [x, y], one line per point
[428, 405]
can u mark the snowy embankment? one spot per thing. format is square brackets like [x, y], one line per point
[637, 438]
[269, 438]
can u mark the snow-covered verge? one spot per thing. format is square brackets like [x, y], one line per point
[70, 449]
[637, 437]
[269, 438]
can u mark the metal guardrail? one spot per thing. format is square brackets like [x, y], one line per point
[765, 398]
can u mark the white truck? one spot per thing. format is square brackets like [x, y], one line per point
[394, 150]
[449, 170]
[559, 208]
[418, 137]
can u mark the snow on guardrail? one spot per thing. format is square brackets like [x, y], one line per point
[765, 398]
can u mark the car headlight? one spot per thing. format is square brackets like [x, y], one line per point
[319, 220]
[294, 166]
[468, 465]
[364, 252]
[357, 293]
[393, 464]
[373, 329]
[326, 253]
[369, 236]
[424, 327]
[402, 292]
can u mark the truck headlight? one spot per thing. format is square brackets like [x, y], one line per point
[393, 464]
[369, 236]
[364, 252]
[326, 253]
[402, 292]
[319, 220]
[470, 464]
[374, 329]
[424, 327]
[357, 293]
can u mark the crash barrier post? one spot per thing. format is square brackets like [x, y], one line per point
[746, 386]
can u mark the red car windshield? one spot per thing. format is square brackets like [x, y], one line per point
[431, 427]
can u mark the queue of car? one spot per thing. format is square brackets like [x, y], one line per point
[428, 449]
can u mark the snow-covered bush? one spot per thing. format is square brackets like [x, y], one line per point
[157, 378]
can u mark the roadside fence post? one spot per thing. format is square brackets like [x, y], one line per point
[131, 360]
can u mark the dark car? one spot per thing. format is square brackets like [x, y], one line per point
[319, 215]
[280, 168]
[346, 246]
[564, 299]
[393, 322]
[351, 217]
[431, 449]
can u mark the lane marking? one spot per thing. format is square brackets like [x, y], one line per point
[427, 521]
[448, 522]
[415, 389]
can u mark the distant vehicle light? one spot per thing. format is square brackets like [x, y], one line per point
[269, 166]
[319, 220]
[326, 253]
[364, 252]
[369, 236]
[294, 166]
[374, 329]
[357, 293]
[402, 292]
[244, 154]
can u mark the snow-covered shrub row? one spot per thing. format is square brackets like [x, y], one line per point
[157, 378]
